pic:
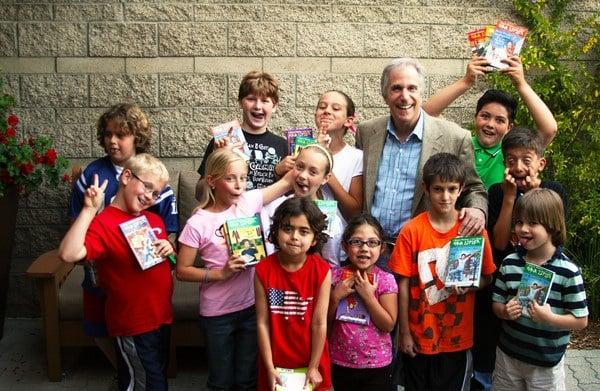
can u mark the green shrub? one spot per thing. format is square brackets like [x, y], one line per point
[562, 62]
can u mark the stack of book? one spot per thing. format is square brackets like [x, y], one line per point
[497, 42]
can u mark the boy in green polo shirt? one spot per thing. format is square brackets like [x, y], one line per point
[495, 114]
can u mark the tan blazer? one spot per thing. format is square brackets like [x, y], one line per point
[438, 136]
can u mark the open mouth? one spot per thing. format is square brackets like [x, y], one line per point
[258, 116]
[302, 187]
[488, 132]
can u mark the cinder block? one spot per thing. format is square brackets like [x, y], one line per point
[27, 64]
[159, 12]
[188, 140]
[176, 165]
[192, 39]
[123, 40]
[382, 40]
[449, 42]
[52, 39]
[160, 65]
[343, 40]
[369, 14]
[261, 39]
[471, 3]
[358, 65]
[56, 90]
[46, 216]
[106, 90]
[8, 39]
[372, 90]
[290, 117]
[90, 65]
[368, 113]
[479, 17]
[192, 90]
[11, 86]
[433, 15]
[78, 116]
[298, 13]
[212, 116]
[35, 12]
[228, 13]
[165, 115]
[226, 64]
[310, 87]
[31, 116]
[88, 12]
[8, 12]
[297, 64]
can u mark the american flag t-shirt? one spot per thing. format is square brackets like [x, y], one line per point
[287, 303]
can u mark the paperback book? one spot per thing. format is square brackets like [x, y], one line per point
[352, 309]
[292, 379]
[291, 134]
[464, 261]
[245, 239]
[506, 40]
[479, 39]
[302, 142]
[141, 238]
[329, 209]
[232, 133]
[535, 284]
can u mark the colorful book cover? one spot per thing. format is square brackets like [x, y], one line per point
[292, 379]
[535, 284]
[245, 239]
[141, 237]
[352, 309]
[464, 261]
[329, 208]
[506, 41]
[291, 134]
[233, 134]
[479, 39]
[302, 142]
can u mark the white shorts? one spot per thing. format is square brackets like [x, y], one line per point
[511, 374]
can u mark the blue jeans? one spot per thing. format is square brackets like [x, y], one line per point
[231, 350]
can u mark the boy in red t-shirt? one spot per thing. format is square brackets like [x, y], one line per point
[436, 323]
[138, 302]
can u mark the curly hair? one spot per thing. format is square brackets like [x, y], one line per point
[130, 119]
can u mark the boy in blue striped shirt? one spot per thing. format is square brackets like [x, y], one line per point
[530, 353]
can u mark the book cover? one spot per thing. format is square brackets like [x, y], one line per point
[535, 284]
[232, 133]
[329, 209]
[479, 39]
[245, 239]
[302, 142]
[507, 40]
[464, 261]
[352, 309]
[291, 134]
[292, 379]
[141, 238]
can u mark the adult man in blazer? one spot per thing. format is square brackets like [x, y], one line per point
[396, 147]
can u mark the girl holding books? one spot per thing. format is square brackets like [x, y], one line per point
[312, 169]
[292, 294]
[363, 308]
[227, 313]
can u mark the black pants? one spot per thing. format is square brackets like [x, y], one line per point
[443, 371]
[364, 379]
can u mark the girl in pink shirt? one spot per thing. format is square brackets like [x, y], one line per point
[363, 308]
[227, 313]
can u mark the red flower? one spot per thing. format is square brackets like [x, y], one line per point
[50, 157]
[66, 178]
[12, 120]
[10, 132]
[5, 177]
[26, 168]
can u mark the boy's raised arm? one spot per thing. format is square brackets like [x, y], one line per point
[443, 98]
[541, 114]
[72, 248]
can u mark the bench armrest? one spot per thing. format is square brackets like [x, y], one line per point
[49, 266]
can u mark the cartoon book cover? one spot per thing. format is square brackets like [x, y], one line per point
[245, 238]
[329, 209]
[302, 142]
[352, 309]
[479, 39]
[507, 40]
[141, 237]
[464, 261]
[233, 134]
[292, 379]
[291, 134]
[535, 284]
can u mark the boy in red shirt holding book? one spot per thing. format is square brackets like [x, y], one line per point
[436, 323]
[138, 302]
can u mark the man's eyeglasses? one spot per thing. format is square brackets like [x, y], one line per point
[148, 187]
[359, 243]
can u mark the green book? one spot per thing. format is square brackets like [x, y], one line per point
[245, 239]
[536, 282]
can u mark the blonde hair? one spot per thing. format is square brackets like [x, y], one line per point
[545, 207]
[327, 153]
[145, 163]
[216, 166]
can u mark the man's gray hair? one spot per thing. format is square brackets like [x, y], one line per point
[401, 63]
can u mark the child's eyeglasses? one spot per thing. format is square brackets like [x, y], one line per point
[359, 243]
[148, 187]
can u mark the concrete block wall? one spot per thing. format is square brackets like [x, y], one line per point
[66, 61]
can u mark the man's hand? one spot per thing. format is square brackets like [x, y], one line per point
[514, 71]
[472, 221]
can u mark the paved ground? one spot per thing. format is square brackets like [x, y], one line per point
[22, 365]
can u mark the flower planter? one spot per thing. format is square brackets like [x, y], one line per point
[8, 214]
